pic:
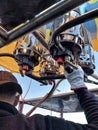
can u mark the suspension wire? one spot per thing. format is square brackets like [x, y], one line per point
[23, 99]
[43, 99]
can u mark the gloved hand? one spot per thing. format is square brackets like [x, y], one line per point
[75, 78]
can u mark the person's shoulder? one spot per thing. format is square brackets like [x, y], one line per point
[37, 121]
[36, 118]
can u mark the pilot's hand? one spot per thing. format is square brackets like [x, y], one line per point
[75, 77]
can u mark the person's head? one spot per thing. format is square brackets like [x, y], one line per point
[10, 90]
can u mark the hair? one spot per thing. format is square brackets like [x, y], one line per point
[7, 90]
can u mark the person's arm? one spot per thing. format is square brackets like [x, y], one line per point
[89, 103]
[87, 100]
